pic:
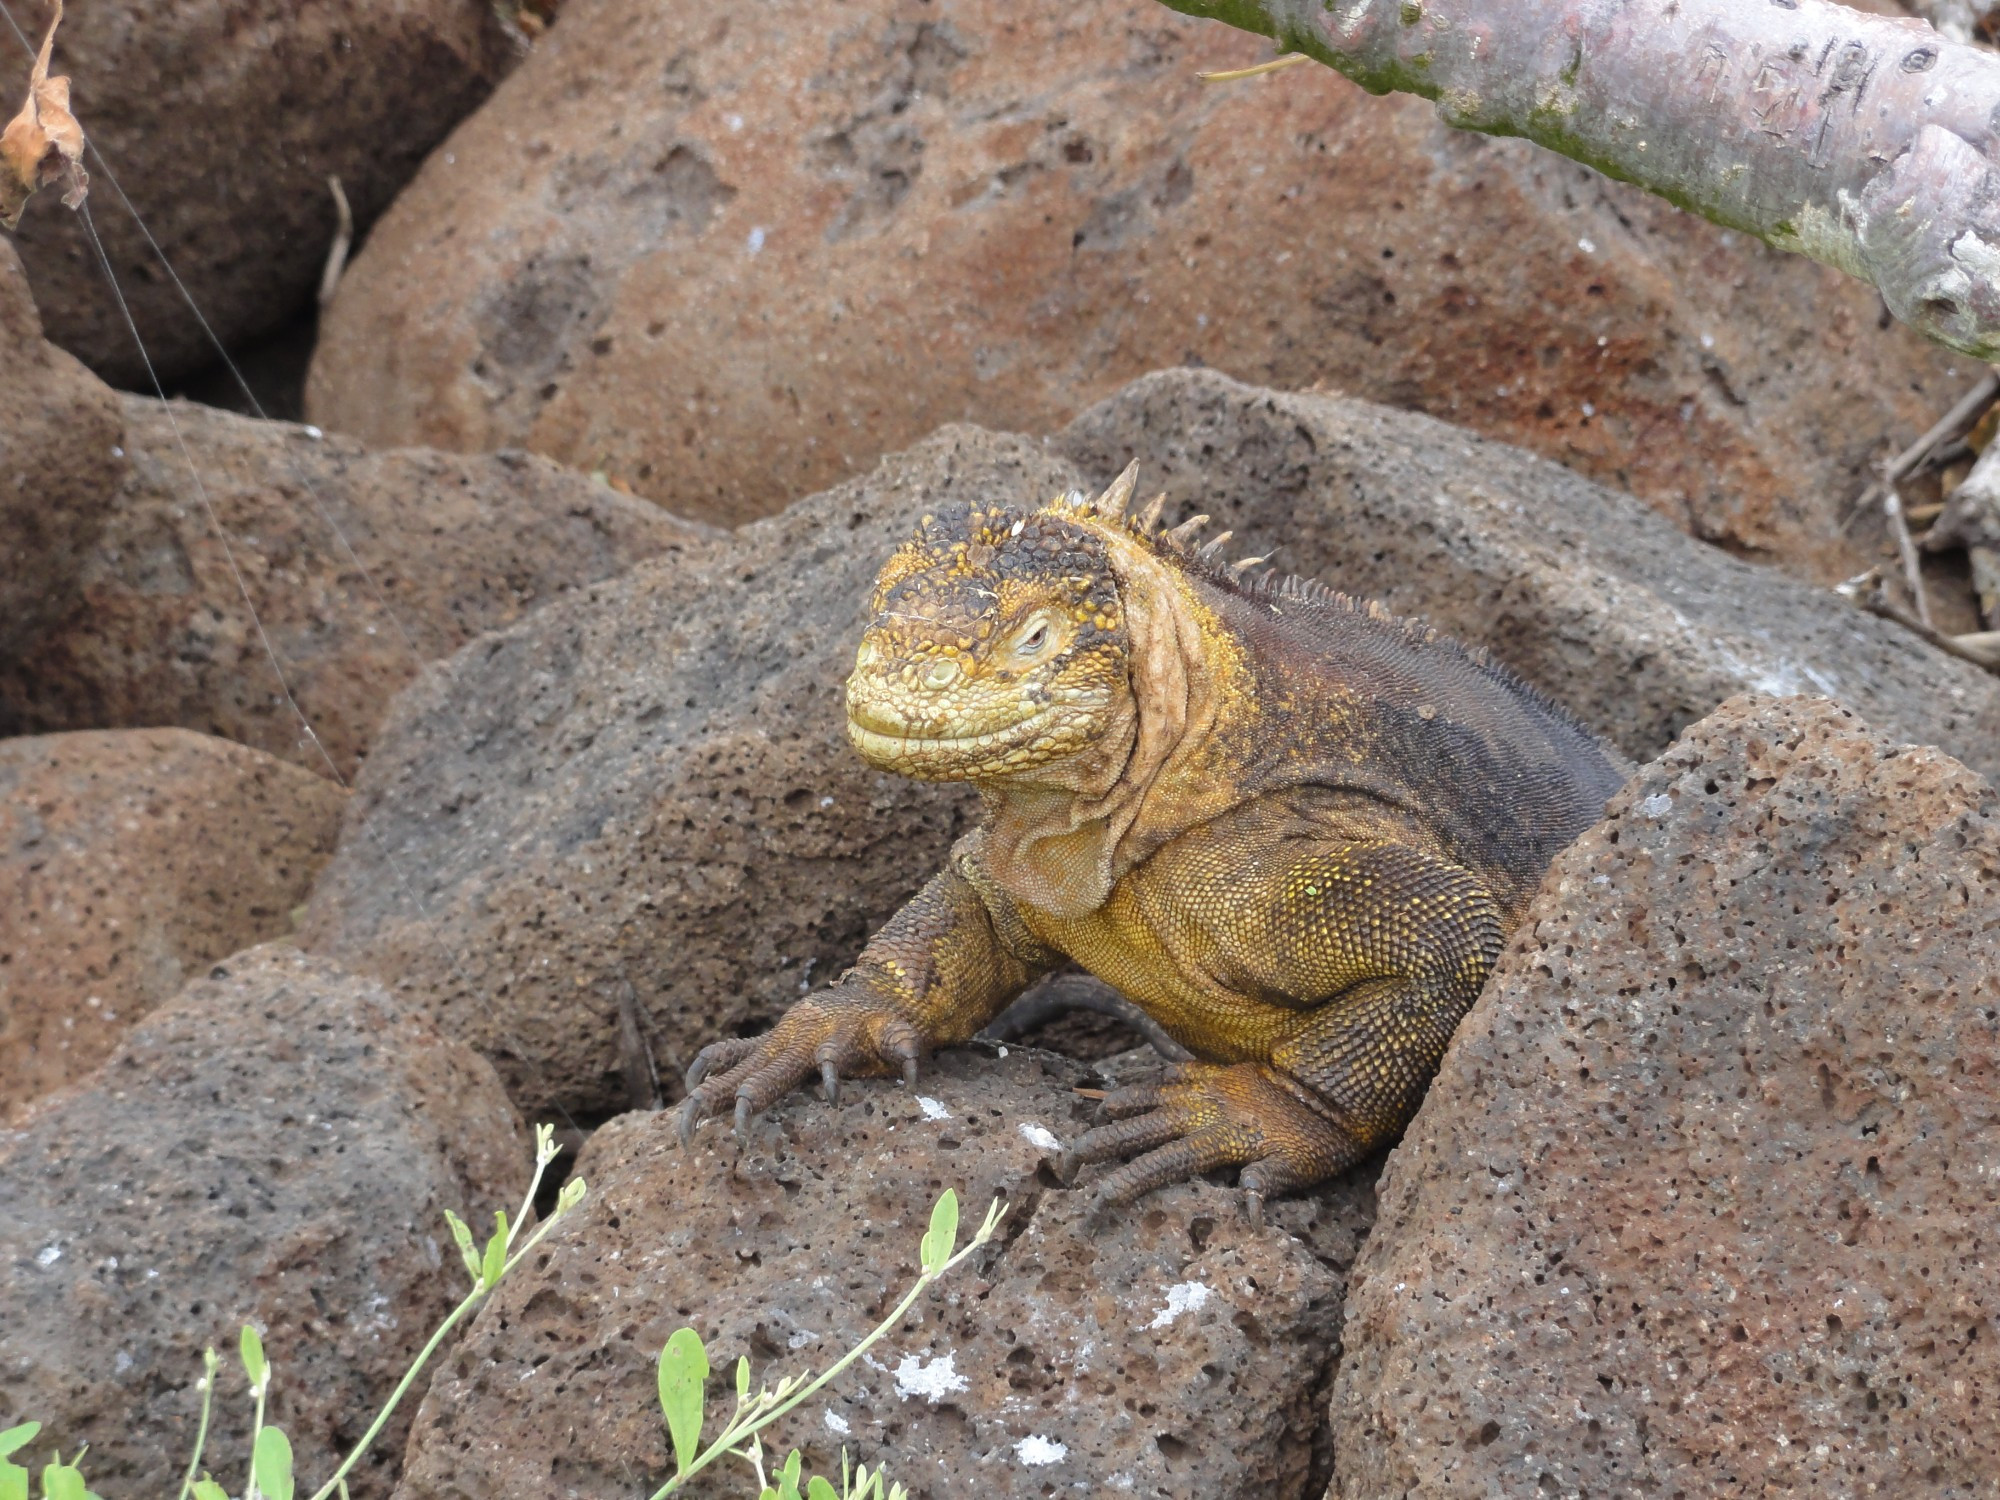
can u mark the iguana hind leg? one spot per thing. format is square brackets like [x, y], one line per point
[1405, 941]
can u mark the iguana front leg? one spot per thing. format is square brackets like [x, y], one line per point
[1400, 943]
[942, 967]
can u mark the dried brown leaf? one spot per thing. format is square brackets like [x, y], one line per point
[43, 144]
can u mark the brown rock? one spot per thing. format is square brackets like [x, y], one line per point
[221, 127]
[735, 261]
[645, 791]
[129, 862]
[1702, 1201]
[276, 1147]
[1174, 1351]
[60, 467]
[1593, 599]
[446, 547]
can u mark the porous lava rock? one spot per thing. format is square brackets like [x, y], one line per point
[1168, 1349]
[1702, 1201]
[733, 258]
[219, 126]
[641, 799]
[362, 566]
[130, 860]
[276, 1146]
[60, 467]
[632, 824]
[1594, 599]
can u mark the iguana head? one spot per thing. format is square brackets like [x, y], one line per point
[998, 646]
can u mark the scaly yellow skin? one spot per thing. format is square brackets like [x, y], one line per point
[1293, 830]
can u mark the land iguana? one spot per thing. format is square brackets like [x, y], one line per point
[1291, 827]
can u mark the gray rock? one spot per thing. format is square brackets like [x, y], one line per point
[275, 1147]
[1582, 590]
[1702, 1200]
[1173, 1351]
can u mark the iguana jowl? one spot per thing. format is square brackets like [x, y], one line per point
[1292, 828]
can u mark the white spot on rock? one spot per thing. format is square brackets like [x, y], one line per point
[1657, 806]
[1039, 1136]
[933, 1109]
[933, 1381]
[48, 1255]
[1588, 247]
[1036, 1451]
[837, 1424]
[1185, 1297]
[756, 241]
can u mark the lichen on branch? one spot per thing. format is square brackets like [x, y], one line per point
[1868, 142]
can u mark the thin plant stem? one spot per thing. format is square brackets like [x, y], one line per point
[472, 1300]
[763, 1413]
[209, 1365]
[257, 1426]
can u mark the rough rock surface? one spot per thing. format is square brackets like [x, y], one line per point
[1592, 598]
[276, 1146]
[60, 467]
[645, 792]
[735, 259]
[1703, 1200]
[1171, 1351]
[642, 799]
[448, 546]
[129, 862]
[221, 124]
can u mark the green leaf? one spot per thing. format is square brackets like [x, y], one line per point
[683, 1368]
[768, 1494]
[271, 1463]
[13, 1481]
[254, 1364]
[942, 1237]
[788, 1477]
[818, 1489]
[207, 1489]
[463, 1235]
[496, 1256]
[14, 1439]
[62, 1482]
[743, 1377]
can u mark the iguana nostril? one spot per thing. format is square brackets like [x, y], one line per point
[943, 675]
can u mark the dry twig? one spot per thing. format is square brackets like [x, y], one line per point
[343, 240]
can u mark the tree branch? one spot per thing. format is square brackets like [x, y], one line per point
[1868, 142]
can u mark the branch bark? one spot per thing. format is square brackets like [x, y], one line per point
[1868, 142]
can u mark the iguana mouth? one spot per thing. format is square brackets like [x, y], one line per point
[892, 739]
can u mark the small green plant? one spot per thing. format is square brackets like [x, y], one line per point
[683, 1375]
[270, 1474]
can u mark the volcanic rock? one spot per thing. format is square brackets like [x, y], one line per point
[60, 468]
[219, 126]
[732, 259]
[129, 861]
[1702, 1200]
[362, 567]
[275, 1147]
[1172, 1349]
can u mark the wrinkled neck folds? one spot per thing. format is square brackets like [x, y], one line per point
[1060, 838]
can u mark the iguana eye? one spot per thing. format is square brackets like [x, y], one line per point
[1034, 639]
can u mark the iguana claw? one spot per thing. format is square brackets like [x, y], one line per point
[1204, 1115]
[846, 1029]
